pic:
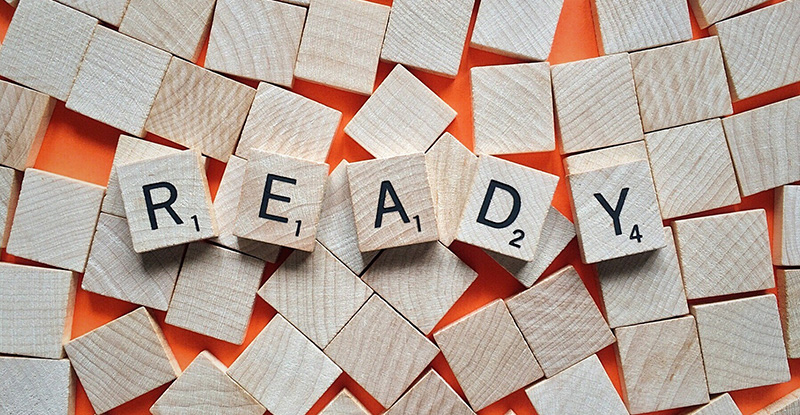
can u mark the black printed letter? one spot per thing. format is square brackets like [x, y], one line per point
[614, 213]
[268, 195]
[151, 208]
[487, 200]
[386, 187]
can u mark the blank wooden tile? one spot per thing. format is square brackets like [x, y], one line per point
[661, 366]
[109, 11]
[122, 360]
[788, 282]
[44, 46]
[428, 34]
[516, 28]
[724, 254]
[284, 370]
[708, 12]
[381, 351]
[431, 395]
[200, 109]
[281, 200]
[284, 122]
[115, 269]
[256, 39]
[35, 311]
[786, 226]
[55, 220]
[628, 25]
[512, 108]
[488, 355]
[215, 292]
[36, 386]
[10, 181]
[582, 389]
[344, 404]
[721, 405]
[500, 215]
[560, 321]
[595, 103]
[341, 44]
[190, 217]
[177, 27]
[205, 388]
[24, 117]
[759, 48]
[392, 202]
[742, 343]
[401, 117]
[681, 84]
[606, 157]
[316, 293]
[787, 405]
[692, 169]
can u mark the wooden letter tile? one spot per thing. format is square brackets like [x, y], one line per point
[109, 11]
[788, 405]
[177, 27]
[721, 405]
[10, 181]
[709, 12]
[430, 396]
[36, 386]
[607, 157]
[24, 117]
[786, 226]
[344, 404]
[516, 28]
[628, 25]
[789, 300]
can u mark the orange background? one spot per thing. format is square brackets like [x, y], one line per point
[82, 148]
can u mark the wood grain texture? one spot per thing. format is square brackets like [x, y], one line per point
[606, 157]
[342, 43]
[708, 12]
[724, 254]
[660, 365]
[36, 386]
[283, 370]
[788, 405]
[200, 109]
[284, 122]
[788, 282]
[786, 226]
[35, 311]
[595, 103]
[205, 388]
[402, 116]
[742, 343]
[344, 404]
[122, 360]
[24, 117]
[517, 28]
[422, 281]
[430, 396]
[721, 405]
[256, 39]
[115, 269]
[44, 46]
[10, 181]
[109, 11]
[428, 34]
[215, 292]
[55, 220]
[316, 293]
[381, 351]
[681, 84]
[512, 108]
[488, 355]
[628, 25]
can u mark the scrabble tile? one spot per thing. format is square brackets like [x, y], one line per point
[167, 201]
[283, 370]
[200, 109]
[281, 200]
[660, 365]
[497, 216]
[36, 386]
[763, 144]
[402, 116]
[787, 405]
[422, 282]
[256, 39]
[721, 405]
[786, 226]
[514, 28]
[788, 282]
[226, 205]
[341, 44]
[606, 157]
[177, 27]
[344, 404]
[692, 169]
[122, 360]
[55, 220]
[560, 321]
[708, 12]
[284, 122]
[742, 343]
[428, 34]
[205, 388]
[595, 103]
[215, 292]
[681, 84]
[381, 351]
[44, 46]
[392, 202]
[118, 81]
[488, 355]
[724, 254]
[36, 310]
[512, 108]
[431, 395]
[643, 287]
[115, 269]
[10, 181]
[316, 293]
[109, 11]
[24, 117]
[759, 49]
[583, 388]
[628, 25]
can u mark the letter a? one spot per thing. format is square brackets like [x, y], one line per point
[387, 188]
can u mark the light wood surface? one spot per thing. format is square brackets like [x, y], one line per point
[708, 12]
[517, 28]
[606, 157]
[36, 386]
[721, 405]
[430, 396]
[628, 25]
[24, 117]
[10, 181]
[344, 404]
[788, 282]
[109, 11]
[788, 405]
[786, 226]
